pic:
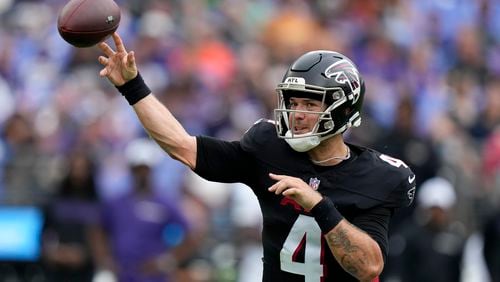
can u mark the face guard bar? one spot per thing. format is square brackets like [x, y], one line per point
[330, 98]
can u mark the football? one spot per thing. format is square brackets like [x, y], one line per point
[84, 23]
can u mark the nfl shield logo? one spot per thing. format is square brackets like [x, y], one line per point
[314, 183]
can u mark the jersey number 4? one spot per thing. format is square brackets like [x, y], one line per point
[392, 161]
[305, 236]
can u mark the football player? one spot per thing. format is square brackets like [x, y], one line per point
[326, 204]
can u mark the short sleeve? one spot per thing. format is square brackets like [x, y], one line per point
[375, 222]
[222, 161]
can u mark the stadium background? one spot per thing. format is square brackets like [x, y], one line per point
[431, 68]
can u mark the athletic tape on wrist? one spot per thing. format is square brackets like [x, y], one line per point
[326, 215]
[134, 90]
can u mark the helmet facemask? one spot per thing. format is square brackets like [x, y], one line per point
[330, 98]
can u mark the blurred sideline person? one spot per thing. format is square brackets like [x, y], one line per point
[403, 142]
[326, 204]
[434, 244]
[491, 250]
[146, 232]
[69, 247]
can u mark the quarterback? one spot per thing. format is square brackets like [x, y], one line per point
[326, 204]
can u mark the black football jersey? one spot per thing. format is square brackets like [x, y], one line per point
[366, 189]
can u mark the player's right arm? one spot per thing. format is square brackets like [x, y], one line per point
[162, 126]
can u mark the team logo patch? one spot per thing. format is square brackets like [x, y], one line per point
[314, 183]
[344, 72]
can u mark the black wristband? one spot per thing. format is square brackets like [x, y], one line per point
[134, 90]
[326, 215]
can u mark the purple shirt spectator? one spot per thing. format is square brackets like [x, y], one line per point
[141, 228]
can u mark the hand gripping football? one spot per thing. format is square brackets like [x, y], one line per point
[84, 23]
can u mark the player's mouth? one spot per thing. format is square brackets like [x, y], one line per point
[300, 130]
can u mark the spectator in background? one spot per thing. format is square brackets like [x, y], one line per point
[491, 229]
[141, 227]
[491, 166]
[25, 166]
[489, 119]
[71, 224]
[245, 214]
[402, 142]
[433, 245]
[491, 249]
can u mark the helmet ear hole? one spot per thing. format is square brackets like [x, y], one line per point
[329, 125]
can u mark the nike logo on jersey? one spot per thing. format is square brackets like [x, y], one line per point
[411, 178]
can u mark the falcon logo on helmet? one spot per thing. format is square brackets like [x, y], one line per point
[345, 73]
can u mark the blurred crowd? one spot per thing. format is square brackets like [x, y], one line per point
[432, 71]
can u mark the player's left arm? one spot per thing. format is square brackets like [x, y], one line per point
[357, 252]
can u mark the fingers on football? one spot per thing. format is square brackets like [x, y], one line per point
[118, 43]
[130, 59]
[106, 49]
